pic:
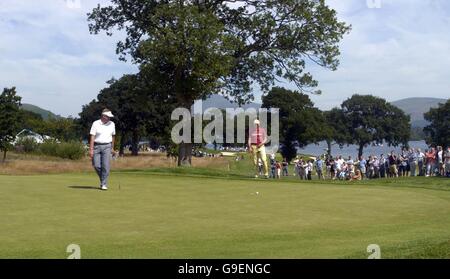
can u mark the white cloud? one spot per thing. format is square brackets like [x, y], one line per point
[397, 51]
[400, 50]
[47, 52]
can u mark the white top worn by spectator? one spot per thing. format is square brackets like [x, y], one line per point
[103, 132]
[420, 156]
[339, 164]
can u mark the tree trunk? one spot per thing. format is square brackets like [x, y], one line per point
[361, 149]
[329, 148]
[4, 155]
[185, 149]
[135, 143]
[185, 154]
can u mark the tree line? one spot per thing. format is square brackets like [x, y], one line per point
[140, 113]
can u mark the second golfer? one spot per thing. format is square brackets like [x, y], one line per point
[102, 138]
[256, 145]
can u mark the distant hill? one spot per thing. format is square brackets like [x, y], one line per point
[46, 114]
[416, 107]
[220, 102]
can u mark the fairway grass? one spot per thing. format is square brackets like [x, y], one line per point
[188, 214]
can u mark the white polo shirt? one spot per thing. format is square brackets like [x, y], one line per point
[103, 132]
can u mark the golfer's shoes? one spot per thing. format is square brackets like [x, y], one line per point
[104, 187]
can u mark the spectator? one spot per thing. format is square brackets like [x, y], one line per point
[362, 166]
[371, 168]
[332, 169]
[447, 161]
[319, 168]
[273, 169]
[357, 176]
[339, 164]
[393, 171]
[350, 167]
[285, 167]
[278, 167]
[328, 167]
[301, 169]
[430, 161]
[421, 162]
[376, 167]
[309, 169]
[413, 161]
[440, 161]
[383, 166]
[402, 165]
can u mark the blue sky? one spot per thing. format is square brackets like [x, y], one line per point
[397, 49]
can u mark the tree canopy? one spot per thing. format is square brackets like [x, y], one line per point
[138, 109]
[368, 119]
[300, 121]
[334, 128]
[438, 131]
[224, 45]
[10, 118]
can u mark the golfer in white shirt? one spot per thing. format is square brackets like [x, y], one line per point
[102, 138]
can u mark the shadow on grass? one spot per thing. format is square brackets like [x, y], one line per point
[85, 188]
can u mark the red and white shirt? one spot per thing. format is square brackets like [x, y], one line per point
[258, 135]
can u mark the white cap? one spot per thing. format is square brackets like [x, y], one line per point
[256, 122]
[108, 113]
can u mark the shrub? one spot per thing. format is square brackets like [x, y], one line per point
[26, 145]
[49, 148]
[65, 150]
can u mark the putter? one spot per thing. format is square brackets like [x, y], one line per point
[116, 157]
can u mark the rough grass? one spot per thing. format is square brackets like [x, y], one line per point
[23, 164]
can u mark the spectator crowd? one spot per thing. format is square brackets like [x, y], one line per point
[407, 163]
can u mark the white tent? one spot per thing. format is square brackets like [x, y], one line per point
[25, 133]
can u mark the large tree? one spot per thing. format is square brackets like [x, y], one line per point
[10, 118]
[300, 122]
[368, 119]
[212, 46]
[139, 110]
[438, 131]
[127, 101]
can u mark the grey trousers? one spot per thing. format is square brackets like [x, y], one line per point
[102, 162]
[413, 167]
[421, 172]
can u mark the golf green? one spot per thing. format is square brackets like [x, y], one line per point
[158, 215]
